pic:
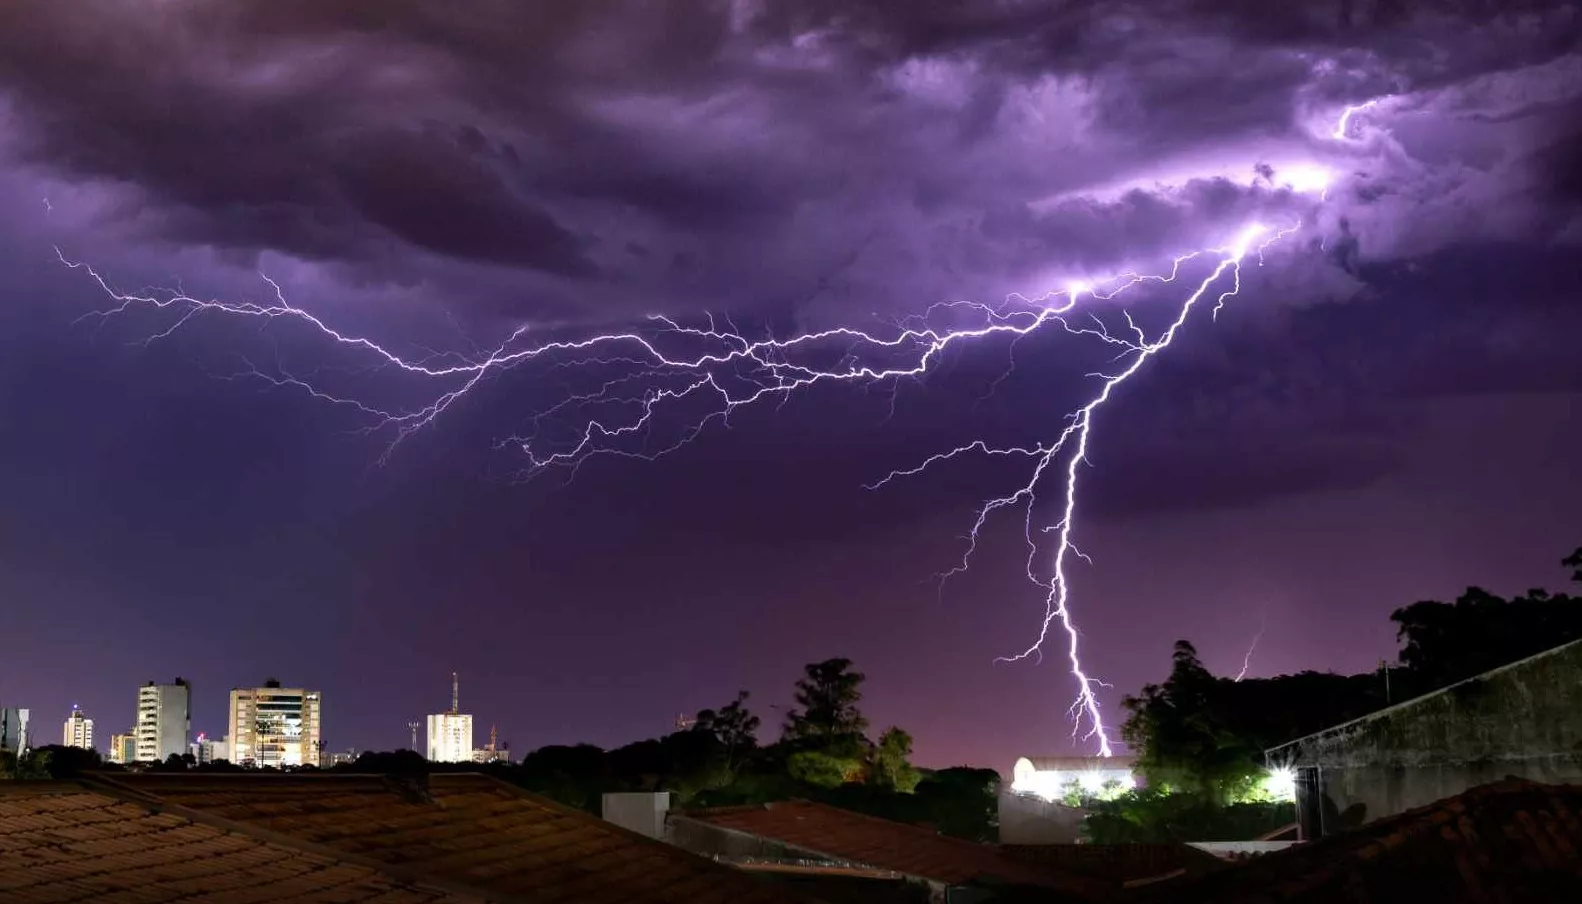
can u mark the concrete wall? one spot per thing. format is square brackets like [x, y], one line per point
[709, 840]
[731, 846]
[1025, 819]
[1524, 719]
[641, 812]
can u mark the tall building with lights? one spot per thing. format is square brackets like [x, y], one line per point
[450, 733]
[164, 719]
[123, 748]
[77, 730]
[275, 726]
[13, 730]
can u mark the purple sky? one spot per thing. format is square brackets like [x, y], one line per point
[1390, 411]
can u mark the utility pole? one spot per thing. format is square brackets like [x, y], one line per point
[413, 727]
[1385, 668]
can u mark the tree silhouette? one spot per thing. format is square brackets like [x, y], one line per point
[828, 695]
[891, 767]
[732, 725]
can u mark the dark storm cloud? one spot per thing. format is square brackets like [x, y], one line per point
[552, 137]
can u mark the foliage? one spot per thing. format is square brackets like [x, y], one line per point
[890, 766]
[1206, 734]
[828, 695]
[1182, 733]
[1074, 794]
[49, 762]
[1158, 814]
[1443, 643]
[732, 725]
[573, 775]
[683, 763]
[825, 770]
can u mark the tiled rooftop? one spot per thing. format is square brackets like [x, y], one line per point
[468, 829]
[1512, 842]
[1118, 862]
[915, 851]
[63, 842]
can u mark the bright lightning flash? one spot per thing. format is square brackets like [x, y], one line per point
[686, 369]
[1343, 126]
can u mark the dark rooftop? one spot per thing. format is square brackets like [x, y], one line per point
[468, 829]
[1512, 842]
[1118, 863]
[61, 841]
[912, 850]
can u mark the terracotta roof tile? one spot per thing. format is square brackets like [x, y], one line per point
[1118, 862]
[467, 829]
[60, 842]
[1511, 842]
[915, 851]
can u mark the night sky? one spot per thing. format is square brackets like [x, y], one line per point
[1391, 409]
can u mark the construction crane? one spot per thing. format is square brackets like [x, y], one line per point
[413, 727]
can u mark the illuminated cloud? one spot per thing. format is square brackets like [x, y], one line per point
[761, 154]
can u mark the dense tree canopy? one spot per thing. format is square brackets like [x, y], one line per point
[732, 725]
[1207, 734]
[1446, 642]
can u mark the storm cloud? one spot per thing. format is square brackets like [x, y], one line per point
[719, 152]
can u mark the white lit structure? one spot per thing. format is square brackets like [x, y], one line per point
[13, 731]
[123, 748]
[450, 733]
[275, 726]
[77, 730]
[1052, 778]
[450, 738]
[164, 719]
[1279, 784]
[204, 750]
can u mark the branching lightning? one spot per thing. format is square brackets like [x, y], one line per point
[642, 382]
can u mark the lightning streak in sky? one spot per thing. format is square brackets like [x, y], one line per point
[699, 374]
[1246, 661]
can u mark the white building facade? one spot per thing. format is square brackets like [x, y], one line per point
[164, 720]
[450, 738]
[13, 730]
[275, 726]
[77, 731]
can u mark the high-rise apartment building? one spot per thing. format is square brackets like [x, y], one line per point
[275, 726]
[164, 719]
[77, 730]
[204, 750]
[13, 730]
[123, 748]
[450, 738]
[450, 733]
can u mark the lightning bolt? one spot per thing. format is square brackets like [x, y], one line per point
[1343, 125]
[618, 383]
[1246, 661]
